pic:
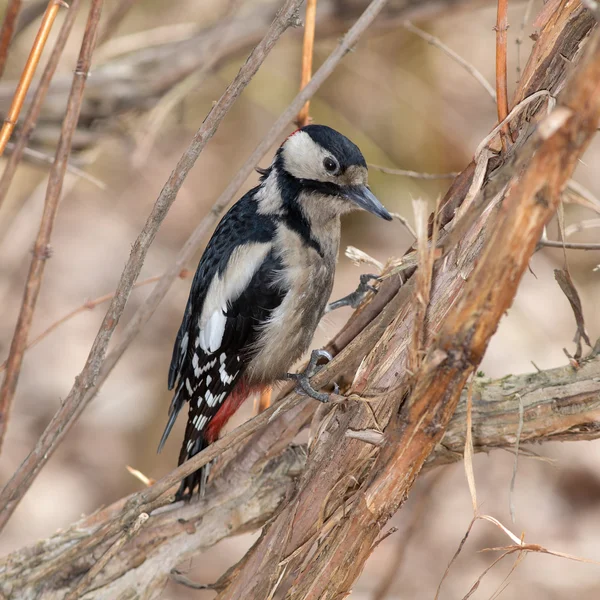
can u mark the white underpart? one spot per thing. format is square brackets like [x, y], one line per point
[269, 196]
[225, 289]
[304, 158]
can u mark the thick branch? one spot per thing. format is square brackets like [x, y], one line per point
[558, 404]
[466, 313]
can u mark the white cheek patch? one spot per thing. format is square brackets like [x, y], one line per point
[303, 157]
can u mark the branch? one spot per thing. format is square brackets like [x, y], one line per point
[308, 45]
[462, 316]
[7, 31]
[29, 71]
[559, 404]
[133, 81]
[79, 394]
[501, 82]
[37, 102]
[434, 41]
[41, 251]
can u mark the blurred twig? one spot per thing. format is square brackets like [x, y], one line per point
[501, 83]
[422, 504]
[521, 36]
[28, 72]
[434, 41]
[114, 19]
[37, 102]
[568, 245]
[86, 381]
[88, 305]
[7, 31]
[308, 45]
[414, 174]
[41, 251]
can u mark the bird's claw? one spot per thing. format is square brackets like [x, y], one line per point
[302, 379]
[356, 298]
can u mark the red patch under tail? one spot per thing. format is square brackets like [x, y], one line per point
[235, 399]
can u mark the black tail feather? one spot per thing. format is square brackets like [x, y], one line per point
[196, 480]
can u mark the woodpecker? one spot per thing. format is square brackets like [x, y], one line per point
[263, 283]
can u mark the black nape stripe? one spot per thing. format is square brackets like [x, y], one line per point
[290, 189]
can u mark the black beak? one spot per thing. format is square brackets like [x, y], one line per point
[364, 197]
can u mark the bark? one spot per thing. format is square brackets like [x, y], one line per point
[558, 404]
[319, 541]
[341, 493]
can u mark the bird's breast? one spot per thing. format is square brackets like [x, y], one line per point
[308, 276]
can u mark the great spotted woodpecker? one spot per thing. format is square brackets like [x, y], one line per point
[263, 283]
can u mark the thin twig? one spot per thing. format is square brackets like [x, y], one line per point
[501, 83]
[41, 158]
[152, 123]
[521, 36]
[86, 383]
[7, 31]
[568, 245]
[434, 41]
[307, 57]
[511, 494]
[413, 174]
[41, 251]
[29, 71]
[86, 388]
[582, 226]
[37, 102]
[420, 511]
[114, 19]
[88, 305]
[511, 115]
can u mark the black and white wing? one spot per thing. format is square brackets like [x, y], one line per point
[234, 291]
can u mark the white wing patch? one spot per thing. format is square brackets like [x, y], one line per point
[211, 334]
[225, 289]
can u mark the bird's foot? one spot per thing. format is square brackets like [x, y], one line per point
[302, 379]
[355, 298]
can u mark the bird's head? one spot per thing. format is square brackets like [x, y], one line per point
[327, 165]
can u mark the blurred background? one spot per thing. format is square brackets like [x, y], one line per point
[407, 105]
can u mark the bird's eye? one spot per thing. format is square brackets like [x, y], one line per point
[330, 164]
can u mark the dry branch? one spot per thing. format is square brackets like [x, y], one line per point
[28, 72]
[76, 399]
[307, 57]
[530, 183]
[136, 80]
[501, 80]
[8, 28]
[559, 404]
[41, 250]
[37, 102]
[385, 324]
